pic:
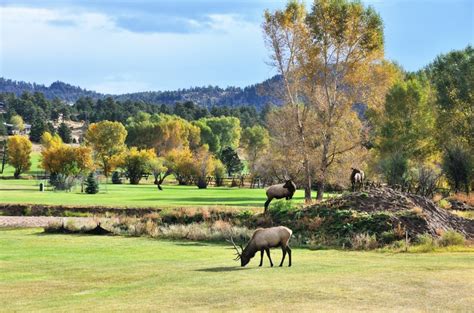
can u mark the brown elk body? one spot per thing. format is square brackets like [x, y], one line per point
[357, 179]
[279, 191]
[262, 240]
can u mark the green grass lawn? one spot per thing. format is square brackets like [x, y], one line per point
[65, 273]
[145, 195]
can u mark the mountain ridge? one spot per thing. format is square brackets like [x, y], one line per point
[257, 95]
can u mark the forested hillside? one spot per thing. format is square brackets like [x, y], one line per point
[256, 95]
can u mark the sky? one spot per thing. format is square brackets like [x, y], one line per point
[121, 46]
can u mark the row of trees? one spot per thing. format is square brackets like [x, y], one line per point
[36, 109]
[346, 106]
[427, 124]
[159, 144]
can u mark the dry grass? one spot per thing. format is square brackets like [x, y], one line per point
[469, 199]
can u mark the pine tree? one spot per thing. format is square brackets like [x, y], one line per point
[65, 133]
[92, 187]
[231, 160]
[37, 130]
[3, 128]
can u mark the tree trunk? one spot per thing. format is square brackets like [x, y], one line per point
[321, 186]
[323, 169]
[308, 181]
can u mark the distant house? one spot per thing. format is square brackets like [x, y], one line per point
[11, 130]
[3, 110]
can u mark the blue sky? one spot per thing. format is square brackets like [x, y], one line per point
[125, 46]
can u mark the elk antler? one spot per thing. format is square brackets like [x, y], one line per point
[239, 254]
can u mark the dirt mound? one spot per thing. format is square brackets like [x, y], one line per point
[415, 213]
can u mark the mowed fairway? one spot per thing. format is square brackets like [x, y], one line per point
[144, 195]
[65, 273]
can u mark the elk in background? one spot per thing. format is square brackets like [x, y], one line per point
[357, 179]
[279, 191]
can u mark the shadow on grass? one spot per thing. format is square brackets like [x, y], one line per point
[222, 269]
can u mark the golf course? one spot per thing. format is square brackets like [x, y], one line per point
[57, 273]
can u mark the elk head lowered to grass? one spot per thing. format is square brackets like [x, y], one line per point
[279, 191]
[262, 240]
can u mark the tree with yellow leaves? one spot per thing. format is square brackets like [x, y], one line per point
[162, 132]
[19, 150]
[329, 59]
[181, 163]
[137, 162]
[204, 163]
[107, 140]
[64, 163]
[159, 170]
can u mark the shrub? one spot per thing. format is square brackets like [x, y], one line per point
[427, 181]
[92, 187]
[425, 243]
[388, 237]
[116, 178]
[245, 214]
[61, 181]
[444, 204]
[458, 165]
[364, 242]
[281, 208]
[451, 238]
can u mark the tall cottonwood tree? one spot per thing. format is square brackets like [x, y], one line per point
[329, 60]
[107, 140]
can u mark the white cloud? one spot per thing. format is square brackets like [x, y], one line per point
[88, 48]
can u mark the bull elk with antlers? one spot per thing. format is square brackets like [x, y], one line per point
[262, 240]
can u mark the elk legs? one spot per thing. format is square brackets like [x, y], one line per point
[289, 255]
[283, 250]
[268, 254]
[261, 257]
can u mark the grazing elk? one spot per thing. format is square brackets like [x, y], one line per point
[279, 191]
[357, 179]
[262, 240]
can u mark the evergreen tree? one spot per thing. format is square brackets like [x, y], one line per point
[65, 133]
[231, 160]
[92, 187]
[37, 129]
[3, 128]
[50, 128]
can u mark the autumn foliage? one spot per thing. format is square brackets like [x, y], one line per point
[19, 150]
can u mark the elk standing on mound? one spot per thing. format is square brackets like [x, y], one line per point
[357, 179]
[264, 239]
[279, 191]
